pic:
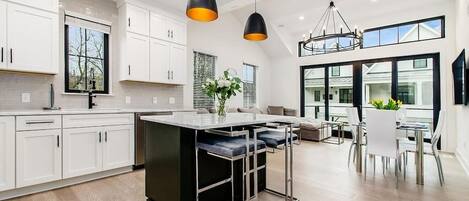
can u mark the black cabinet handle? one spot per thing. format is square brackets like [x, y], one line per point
[169, 33]
[100, 140]
[2, 54]
[58, 141]
[172, 75]
[129, 69]
[172, 34]
[105, 136]
[11, 55]
[169, 77]
[129, 21]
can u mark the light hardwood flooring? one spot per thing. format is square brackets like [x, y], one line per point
[321, 174]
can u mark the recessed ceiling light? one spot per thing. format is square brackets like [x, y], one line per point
[301, 17]
[374, 1]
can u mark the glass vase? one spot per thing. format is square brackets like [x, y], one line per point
[221, 109]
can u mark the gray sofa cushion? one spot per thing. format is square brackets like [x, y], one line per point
[227, 146]
[250, 110]
[274, 138]
[202, 111]
[290, 112]
[276, 110]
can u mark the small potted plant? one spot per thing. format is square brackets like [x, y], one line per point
[391, 105]
[222, 89]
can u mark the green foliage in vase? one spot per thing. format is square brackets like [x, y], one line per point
[391, 105]
[222, 89]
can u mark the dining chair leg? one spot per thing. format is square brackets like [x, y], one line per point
[405, 165]
[374, 165]
[383, 162]
[396, 171]
[440, 170]
[350, 154]
[366, 163]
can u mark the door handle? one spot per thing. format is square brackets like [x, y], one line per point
[11, 55]
[100, 140]
[105, 136]
[58, 141]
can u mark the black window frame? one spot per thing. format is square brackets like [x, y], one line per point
[346, 97]
[417, 22]
[105, 59]
[317, 95]
[335, 71]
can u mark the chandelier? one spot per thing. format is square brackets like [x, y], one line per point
[332, 34]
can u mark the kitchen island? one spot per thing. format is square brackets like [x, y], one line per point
[170, 163]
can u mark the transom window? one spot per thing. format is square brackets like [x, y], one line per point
[86, 55]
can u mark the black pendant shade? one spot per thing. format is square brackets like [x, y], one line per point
[255, 29]
[202, 10]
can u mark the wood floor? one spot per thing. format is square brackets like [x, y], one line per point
[321, 174]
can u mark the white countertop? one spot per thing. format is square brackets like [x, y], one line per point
[86, 111]
[211, 121]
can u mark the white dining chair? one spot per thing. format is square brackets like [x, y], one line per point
[429, 149]
[382, 138]
[353, 120]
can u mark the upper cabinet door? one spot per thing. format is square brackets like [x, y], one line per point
[3, 35]
[138, 56]
[32, 40]
[38, 157]
[82, 151]
[178, 64]
[159, 27]
[159, 61]
[49, 5]
[138, 20]
[178, 31]
[7, 153]
[118, 149]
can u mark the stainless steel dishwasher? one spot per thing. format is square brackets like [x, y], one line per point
[140, 137]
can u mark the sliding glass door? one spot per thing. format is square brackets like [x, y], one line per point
[328, 89]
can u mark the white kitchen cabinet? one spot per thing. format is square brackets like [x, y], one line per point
[49, 5]
[138, 20]
[7, 153]
[159, 27]
[160, 61]
[178, 64]
[168, 29]
[38, 157]
[138, 57]
[82, 153]
[118, 147]
[3, 35]
[32, 40]
[178, 31]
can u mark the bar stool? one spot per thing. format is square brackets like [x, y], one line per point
[275, 139]
[229, 145]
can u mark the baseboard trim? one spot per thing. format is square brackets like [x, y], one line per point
[464, 163]
[61, 183]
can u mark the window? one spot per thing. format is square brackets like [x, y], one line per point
[419, 30]
[86, 56]
[317, 96]
[335, 71]
[345, 96]
[204, 68]
[249, 85]
[406, 93]
[420, 63]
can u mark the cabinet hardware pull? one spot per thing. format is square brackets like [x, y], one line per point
[169, 33]
[172, 34]
[129, 21]
[58, 141]
[129, 69]
[100, 140]
[2, 54]
[11, 55]
[39, 122]
[172, 75]
[105, 136]
[169, 75]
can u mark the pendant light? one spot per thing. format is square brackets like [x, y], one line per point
[255, 29]
[202, 10]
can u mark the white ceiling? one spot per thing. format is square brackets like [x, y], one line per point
[282, 16]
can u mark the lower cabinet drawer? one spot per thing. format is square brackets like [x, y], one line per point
[25, 123]
[93, 120]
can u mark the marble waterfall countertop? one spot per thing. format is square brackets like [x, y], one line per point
[87, 111]
[211, 121]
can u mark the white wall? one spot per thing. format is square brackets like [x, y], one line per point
[224, 38]
[288, 69]
[462, 112]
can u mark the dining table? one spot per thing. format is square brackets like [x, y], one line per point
[418, 129]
